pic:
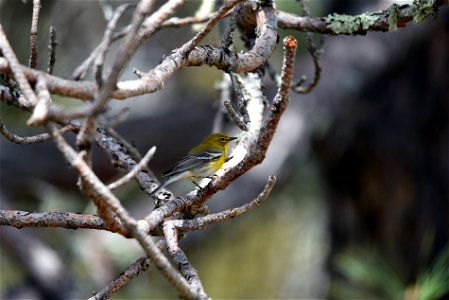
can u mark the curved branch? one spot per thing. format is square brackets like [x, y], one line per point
[201, 222]
[39, 138]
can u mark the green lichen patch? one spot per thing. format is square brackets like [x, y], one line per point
[349, 24]
[393, 18]
[422, 9]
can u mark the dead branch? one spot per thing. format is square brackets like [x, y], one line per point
[179, 257]
[201, 222]
[68, 220]
[360, 24]
[33, 35]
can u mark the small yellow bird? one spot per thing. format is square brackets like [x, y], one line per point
[201, 162]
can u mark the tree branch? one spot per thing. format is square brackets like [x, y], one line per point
[136, 169]
[39, 138]
[179, 257]
[140, 265]
[68, 220]
[34, 33]
[201, 222]
[18, 70]
[361, 24]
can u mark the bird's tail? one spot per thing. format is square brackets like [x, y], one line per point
[162, 185]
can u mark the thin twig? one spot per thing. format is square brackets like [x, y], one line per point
[39, 138]
[154, 22]
[106, 42]
[137, 168]
[175, 22]
[40, 111]
[124, 54]
[140, 265]
[201, 222]
[16, 69]
[241, 103]
[228, 34]
[238, 120]
[315, 51]
[188, 47]
[14, 98]
[124, 156]
[52, 50]
[34, 33]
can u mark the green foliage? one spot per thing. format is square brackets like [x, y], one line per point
[367, 275]
[349, 24]
[433, 283]
[371, 276]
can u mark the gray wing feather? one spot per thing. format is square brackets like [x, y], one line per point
[192, 161]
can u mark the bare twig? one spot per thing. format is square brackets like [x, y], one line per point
[179, 22]
[68, 220]
[30, 139]
[34, 33]
[125, 157]
[154, 22]
[40, 111]
[228, 34]
[106, 42]
[16, 69]
[124, 54]
[15, 98]
[188, 47]
[86, 135]
[240, 98]
[201, 222]
[315, 51]
[238, 120]
[137, 168]
[52, 50]
[179, 257]
[140, 265]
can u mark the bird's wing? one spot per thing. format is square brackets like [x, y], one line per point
[192, 161]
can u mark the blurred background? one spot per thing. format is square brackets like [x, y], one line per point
[361, 206]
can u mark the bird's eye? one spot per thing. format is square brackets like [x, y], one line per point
[222, 140]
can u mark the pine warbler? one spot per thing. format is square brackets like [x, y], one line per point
[201, 162]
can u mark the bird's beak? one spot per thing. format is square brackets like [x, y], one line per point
[232, 138]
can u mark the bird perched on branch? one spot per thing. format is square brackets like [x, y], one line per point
[201, 162]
